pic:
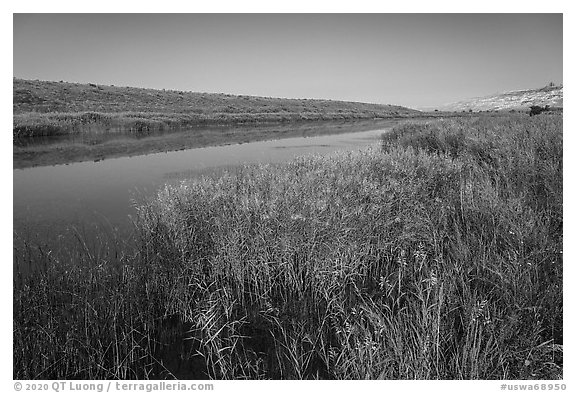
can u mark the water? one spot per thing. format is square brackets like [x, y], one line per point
[49, 200]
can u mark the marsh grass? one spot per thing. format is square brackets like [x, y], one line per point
[83, 311]
[52, 124]
[436, 255]
[35, 124]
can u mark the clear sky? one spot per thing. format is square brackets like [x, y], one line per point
[415, 60]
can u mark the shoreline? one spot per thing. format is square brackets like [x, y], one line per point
[69, 149]
[34, 125]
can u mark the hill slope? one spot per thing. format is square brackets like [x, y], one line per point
[517, 100]
[46, 108]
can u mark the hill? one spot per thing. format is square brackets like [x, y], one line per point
[48, 108]
[512, 100]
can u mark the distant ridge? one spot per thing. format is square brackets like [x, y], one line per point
[64, 97]
[510, 100]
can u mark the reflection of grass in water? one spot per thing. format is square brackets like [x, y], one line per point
[97, 145]
[438, 256]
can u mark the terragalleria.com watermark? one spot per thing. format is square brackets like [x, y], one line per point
[68, 386]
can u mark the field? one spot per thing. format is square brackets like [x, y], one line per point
[436, 255]
[57, 108]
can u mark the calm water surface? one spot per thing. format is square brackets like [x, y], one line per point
[50, 200]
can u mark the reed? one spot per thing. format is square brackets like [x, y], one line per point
[437, 255]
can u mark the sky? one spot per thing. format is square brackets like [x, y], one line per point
[414, 60]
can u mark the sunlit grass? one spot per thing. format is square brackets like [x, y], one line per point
[435, 255]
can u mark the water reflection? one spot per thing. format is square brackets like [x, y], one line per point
[47, 200]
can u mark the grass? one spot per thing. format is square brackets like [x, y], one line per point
[56, 108]
[436, 255]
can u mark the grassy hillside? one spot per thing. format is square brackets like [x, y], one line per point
[435, 255]
[51, 108]
[519, 100]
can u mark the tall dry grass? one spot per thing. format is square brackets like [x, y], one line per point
[436, 255]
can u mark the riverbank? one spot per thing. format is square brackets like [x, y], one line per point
[436, 256]
[44, 108]
[97, 146]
